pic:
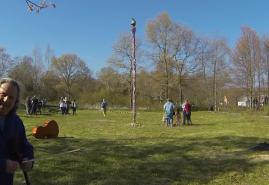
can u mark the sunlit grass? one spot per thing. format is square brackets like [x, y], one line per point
[215, 150]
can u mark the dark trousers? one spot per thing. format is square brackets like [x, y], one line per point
[187, 116]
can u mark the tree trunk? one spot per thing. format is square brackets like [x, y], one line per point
[267, 58]
[131, 87]
[215, 86]
[166, 79]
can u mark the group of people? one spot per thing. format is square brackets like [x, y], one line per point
[15, 150]
[171, 110]
[66, 104]
[34, 105]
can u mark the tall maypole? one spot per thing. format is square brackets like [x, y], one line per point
[133, 29]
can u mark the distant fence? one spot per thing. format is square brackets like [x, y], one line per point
[53, 108]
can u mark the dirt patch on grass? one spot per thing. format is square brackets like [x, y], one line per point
[260, 157]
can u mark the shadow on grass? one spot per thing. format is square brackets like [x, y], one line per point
[144, 161]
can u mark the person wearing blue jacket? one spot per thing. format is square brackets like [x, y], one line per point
[169, 108]
[15, 150]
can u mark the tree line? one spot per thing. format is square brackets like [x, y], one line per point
[173, 62]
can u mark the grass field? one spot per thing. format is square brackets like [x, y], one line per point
[214, 151]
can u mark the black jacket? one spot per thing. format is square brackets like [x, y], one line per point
[13, 145]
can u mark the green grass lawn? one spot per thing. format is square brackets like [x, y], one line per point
[214, 151]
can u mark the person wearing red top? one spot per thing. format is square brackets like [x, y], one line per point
[187, 113]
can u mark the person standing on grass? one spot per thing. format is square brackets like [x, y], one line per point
[183, 114]
[168, 108]
[104, 107]
[74, 107]
[177, 112]
[15, 150]
[187, 113]
[28, 105]
[61, 105]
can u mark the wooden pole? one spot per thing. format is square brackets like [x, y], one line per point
[133, 24]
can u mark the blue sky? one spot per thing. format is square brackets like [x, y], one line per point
[89, 28]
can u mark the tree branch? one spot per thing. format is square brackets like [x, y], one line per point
[32, 6]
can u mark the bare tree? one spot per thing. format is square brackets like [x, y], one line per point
[219, 54]
[23, 71]
[246, 59]
[122, 58]
[37, 62]
[6, 63]
[68, 68]
[159, 33]
[184, 48]
[266, 61]
[202, 58]
[49, 53]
